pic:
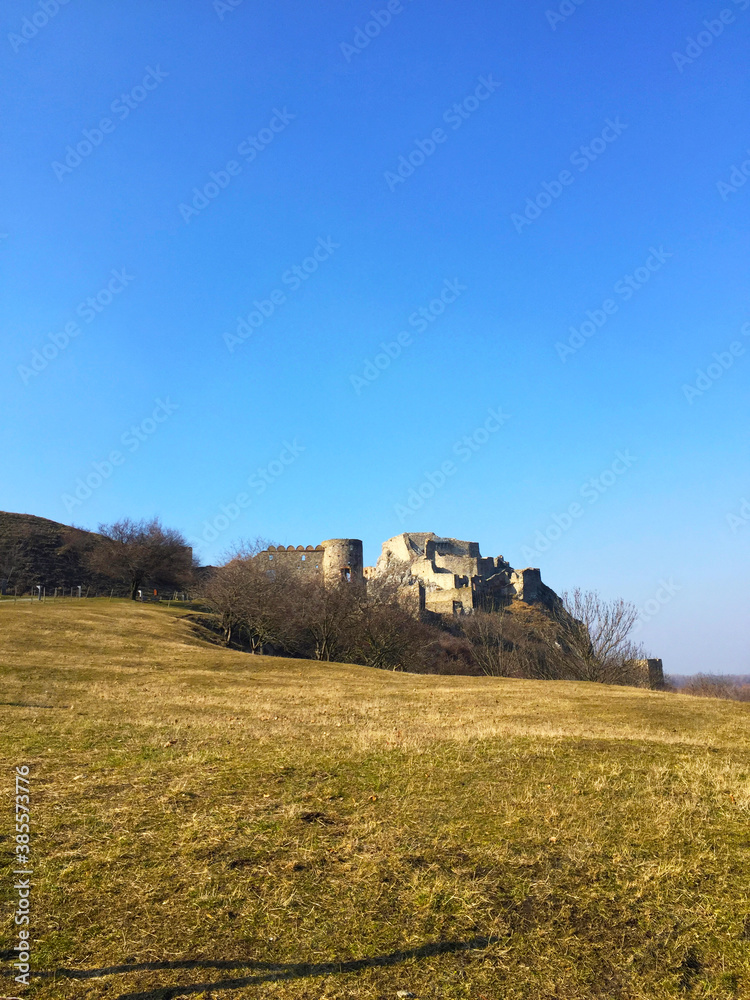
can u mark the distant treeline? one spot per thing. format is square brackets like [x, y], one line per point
[733, 687]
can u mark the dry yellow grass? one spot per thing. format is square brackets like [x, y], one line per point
[211, 824]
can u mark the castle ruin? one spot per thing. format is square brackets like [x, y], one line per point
[444, 575]
[333, 561]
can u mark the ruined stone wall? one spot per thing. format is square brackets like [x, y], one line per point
[342, 560]
[527, 584]
[649, 673]
[308, 560]
[446, 564]
[458, 565]
[331, 561]
[446, 547]
[456, 600]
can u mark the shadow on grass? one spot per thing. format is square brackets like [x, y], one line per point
[267, 972]
[30, 704]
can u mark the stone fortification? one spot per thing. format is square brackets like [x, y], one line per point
[649, 673]
[332, 561]
[445, 575]
[452, 577]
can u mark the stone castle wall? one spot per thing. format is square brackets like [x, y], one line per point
[308, 560]
[443, 576]
[456, 578]
[448, 576]
[332, 561]
[650, 673]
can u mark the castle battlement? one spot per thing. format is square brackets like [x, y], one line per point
[332, 561]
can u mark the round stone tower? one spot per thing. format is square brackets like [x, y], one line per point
[342, 560]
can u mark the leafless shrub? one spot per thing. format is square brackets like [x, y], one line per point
[595, 637]
[448, 654]
[489, 634]
[325, 616]
[387, 633]
[716, 686]
[280, 611]
[11, 559]
[254, 605]
[507, 644]
[583, 638]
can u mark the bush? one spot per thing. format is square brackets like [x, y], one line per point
[717, 686]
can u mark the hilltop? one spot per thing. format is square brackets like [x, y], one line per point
[35, 550]
[204, 818]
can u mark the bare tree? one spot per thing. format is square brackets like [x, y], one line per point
[253, 602]
[386, 632]
[595, 634]
[326, 615]
[583, 638]
[511, 643]
[223, 592]
[486, 631]
[717, 686]
[134, 552]
[267, 607]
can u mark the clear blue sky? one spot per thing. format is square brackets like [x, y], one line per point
[116, 115]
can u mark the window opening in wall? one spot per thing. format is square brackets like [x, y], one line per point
[346, 574]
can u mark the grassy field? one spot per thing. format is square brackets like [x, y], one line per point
[211, 824]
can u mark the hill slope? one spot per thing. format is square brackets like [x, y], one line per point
[35, 550]
[297, 829]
